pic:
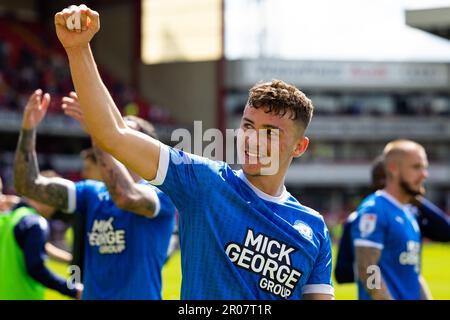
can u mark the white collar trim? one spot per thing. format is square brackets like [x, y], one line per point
[391, 199]
[279, 199]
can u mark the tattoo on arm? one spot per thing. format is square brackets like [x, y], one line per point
[367, 263]
[125, 192]
[27, 179]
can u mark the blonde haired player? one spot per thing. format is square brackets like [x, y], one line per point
[385, 233]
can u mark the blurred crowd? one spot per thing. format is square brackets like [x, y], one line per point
[28, 62]
[374, 104]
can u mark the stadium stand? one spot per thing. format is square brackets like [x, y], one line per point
[29, 61]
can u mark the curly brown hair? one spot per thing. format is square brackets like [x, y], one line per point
[281, 98]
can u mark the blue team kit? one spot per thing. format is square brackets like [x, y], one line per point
[384, 223]
[238, 242]
[124, 252]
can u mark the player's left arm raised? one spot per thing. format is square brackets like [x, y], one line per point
[27, 178]
[102, 117]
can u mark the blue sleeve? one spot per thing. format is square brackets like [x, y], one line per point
[185, 177]
[83, 190]
[167, 208]
[369, 228]
[319, 280]
[31, 233]
[434, 223]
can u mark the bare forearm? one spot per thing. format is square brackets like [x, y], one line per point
[369, 273]
[124, 191]
[381, 293]
[113, 174]
[102, 118]
[58, 254]
[26, 168]
[27, 179]
[377, 289]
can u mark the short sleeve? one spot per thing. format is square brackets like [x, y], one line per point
[369, 228]
[79, 195]
[167, 208]
[183, 176]
[319, 280]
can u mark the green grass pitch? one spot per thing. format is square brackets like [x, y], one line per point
[435, 260]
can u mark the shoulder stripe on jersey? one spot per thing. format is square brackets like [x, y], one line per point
[163, 165]
[71, 195]
[391, 199]
[318, 288]
[367, 243]
[155, 197]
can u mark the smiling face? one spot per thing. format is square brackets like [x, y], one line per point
[272, 128]
[269, 141]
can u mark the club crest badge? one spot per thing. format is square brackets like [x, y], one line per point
[367, 224]
[303, 229]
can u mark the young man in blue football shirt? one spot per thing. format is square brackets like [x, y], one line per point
[385, 233]
[243, 236]
[128, 221]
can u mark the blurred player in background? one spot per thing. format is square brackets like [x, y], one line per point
[54, 252]
[129, 226]
[90, 171]
[23, 236]
[385, 233]
[433, 222]
[242, 235]
[10, 202]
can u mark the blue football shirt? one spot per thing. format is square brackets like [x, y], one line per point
[124, 252]
[384, 223]
[238, 242]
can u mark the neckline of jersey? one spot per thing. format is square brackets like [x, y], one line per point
[391, 199]
[278, 199]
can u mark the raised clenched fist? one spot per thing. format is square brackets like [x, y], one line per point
[76, 26]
